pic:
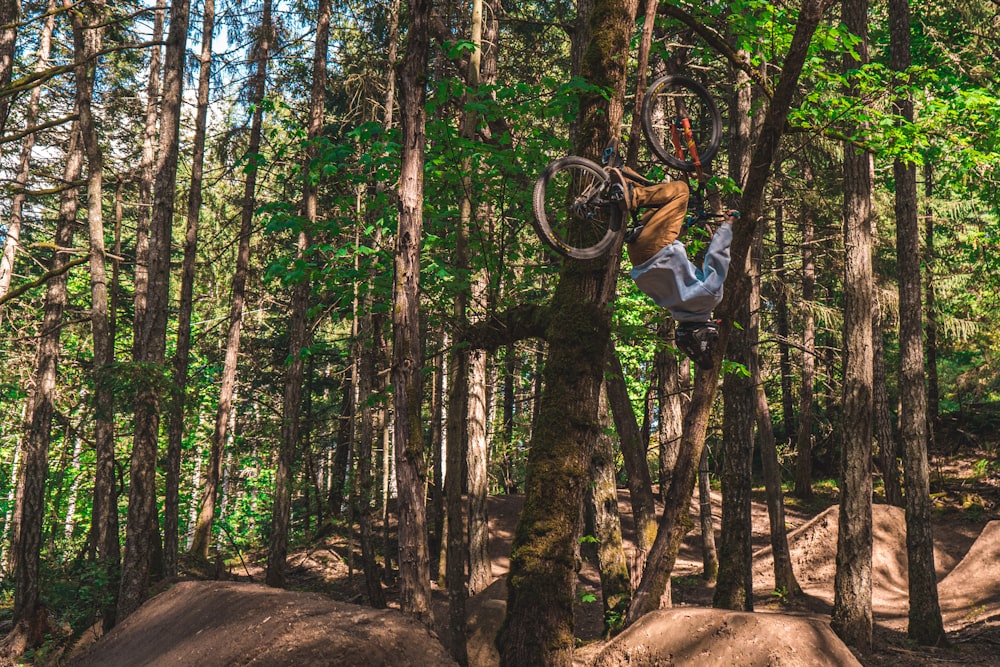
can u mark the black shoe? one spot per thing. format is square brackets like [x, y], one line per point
[695, 339]
[620, 191]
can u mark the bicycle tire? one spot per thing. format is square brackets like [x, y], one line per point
[698, 106]
[571, 213]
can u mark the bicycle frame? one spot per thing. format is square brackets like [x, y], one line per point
[681, 127]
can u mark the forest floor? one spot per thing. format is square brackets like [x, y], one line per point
[323, 620]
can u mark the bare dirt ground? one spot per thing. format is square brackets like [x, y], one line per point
[230, 623]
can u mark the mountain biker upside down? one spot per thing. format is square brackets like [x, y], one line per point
[661, 267]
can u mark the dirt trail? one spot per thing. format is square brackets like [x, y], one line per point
[225, 623]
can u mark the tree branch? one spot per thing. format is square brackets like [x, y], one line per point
[518, 323]
[44, 278]
[38, 128]
[717, 42]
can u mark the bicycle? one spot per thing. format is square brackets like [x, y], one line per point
[575, 212]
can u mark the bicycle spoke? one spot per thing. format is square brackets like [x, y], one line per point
[576, 210]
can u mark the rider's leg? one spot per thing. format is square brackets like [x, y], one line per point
[662, 223]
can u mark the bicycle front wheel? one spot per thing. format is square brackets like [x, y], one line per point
[572, 212]
[671, 104]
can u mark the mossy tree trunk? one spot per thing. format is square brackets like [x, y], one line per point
[605, 522]
[538, 629]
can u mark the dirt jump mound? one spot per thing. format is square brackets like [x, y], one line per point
[224, 623]
[972, 589]
[717, 638]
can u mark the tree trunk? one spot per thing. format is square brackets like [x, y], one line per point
[930, 301]
[634, 457]
[414, 562]
[784, 576]
[342, 454]
[147, 165]
[455, 548]
[438, 442]
[369, 350]
[477, 448]
[29, 515]
[175, 433]
[674, 521]
[852, 607]
[10, 18]
[803, 440]
[13, 229]
[602, 496]
[151, 329]
[709, 554]
[87, 37]
[781, 316]
[734, 585]
[299, 325]
[888, 446]
[206, 514]
[669, 395]
[925, 624]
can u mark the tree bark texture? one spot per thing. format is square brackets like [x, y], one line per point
[930, 301]
[10, 14]
[852, 607]
[414, 565]
[925, 624]
[371, 356]
[669, 397]
[885, 433]
[782, 318]
[147, 165]
[477, 448]
[602, 496]
[734, 585]
[456, 546]
[151, 331]
[709, 552]
[26, 537]
[87, 39]
[603, 506]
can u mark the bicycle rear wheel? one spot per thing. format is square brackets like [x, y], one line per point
[572, 213]
[668, 102]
